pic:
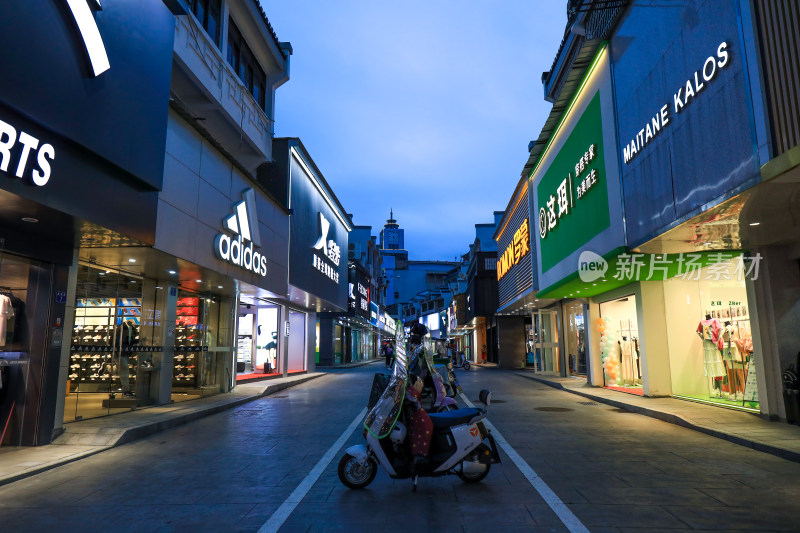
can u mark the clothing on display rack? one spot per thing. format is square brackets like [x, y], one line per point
[710, 331]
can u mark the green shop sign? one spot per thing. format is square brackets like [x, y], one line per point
[573, 194]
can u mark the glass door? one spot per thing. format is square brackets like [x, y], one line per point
[545, 341]
[105, 339]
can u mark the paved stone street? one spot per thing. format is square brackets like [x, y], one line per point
[616, 471]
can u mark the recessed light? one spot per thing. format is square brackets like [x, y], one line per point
[159, 287]
[199, 280]
[171, 272]
[133, 281]
[102, 274]
[219, 286]
[752, 223]
[34, 220]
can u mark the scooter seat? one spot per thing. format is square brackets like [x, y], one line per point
[449, 419]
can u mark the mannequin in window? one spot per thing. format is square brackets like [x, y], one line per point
[126, 337]
[710, 332]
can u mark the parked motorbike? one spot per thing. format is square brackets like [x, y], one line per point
[461, 445]
[461, 361]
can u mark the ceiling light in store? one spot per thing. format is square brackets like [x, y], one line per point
[171, 272]
[131, 260]
[752, 223]
[133, 281]
[219, 286]
[199, 280]
[102, 274]
[34, 220]
[159, 287]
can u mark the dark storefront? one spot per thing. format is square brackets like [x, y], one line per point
[81, 160]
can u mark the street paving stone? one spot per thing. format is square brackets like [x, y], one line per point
[618, 472]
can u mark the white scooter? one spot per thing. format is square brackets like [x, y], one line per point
[461, 444]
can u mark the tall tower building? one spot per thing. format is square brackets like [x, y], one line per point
[392, 238]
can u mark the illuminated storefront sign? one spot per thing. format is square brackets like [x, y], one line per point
[242, 250]
[685, 95]
[328, 262]
[24, 146]
[572, 195]
[568, 193]
[520, 246]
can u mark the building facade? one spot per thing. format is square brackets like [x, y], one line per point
[659, 190]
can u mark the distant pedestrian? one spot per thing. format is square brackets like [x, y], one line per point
[385, 353]
[389, 356]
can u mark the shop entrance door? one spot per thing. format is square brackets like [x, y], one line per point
[105, 340]
[545, 340]
[297, 342]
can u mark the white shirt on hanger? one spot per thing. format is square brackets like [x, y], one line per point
[6, 312]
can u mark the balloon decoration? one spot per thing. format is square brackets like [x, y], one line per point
[610, 353]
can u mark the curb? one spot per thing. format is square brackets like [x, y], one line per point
[137, 432]
[350, 365]
[677, 420]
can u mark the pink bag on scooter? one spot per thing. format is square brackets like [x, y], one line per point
[421, 428]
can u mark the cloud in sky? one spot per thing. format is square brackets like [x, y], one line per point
[426, 107]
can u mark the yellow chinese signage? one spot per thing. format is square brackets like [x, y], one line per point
[520, 246]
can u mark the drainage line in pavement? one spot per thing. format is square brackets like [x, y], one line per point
[288, 506]
[570, 521]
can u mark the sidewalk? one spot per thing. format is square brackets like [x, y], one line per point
[747, 429]
[88, 437]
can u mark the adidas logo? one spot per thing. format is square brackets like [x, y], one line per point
[240, 250]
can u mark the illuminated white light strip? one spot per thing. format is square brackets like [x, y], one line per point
[90, 34]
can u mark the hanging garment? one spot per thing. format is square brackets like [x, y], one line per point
[711, 333]
[6, 314]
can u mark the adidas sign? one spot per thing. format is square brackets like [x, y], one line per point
[241, 250]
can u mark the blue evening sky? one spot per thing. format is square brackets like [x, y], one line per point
[426, 107]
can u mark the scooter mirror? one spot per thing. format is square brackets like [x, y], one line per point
[485, 397]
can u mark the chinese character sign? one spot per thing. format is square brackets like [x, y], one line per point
[520, 247]
[572, 193]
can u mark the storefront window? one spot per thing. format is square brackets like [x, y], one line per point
[619, 330]
[710, 341]
[203, 333]
[575, 338]
[18, 303]
[258, 338]
[104, 368]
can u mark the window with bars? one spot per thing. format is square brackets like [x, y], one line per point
[208, 13]
[241, 58]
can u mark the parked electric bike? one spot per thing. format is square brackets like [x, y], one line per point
[461, 444]
[460, 361]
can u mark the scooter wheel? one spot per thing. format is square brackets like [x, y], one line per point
[356, 475]
[475, 477]
[466, 365]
